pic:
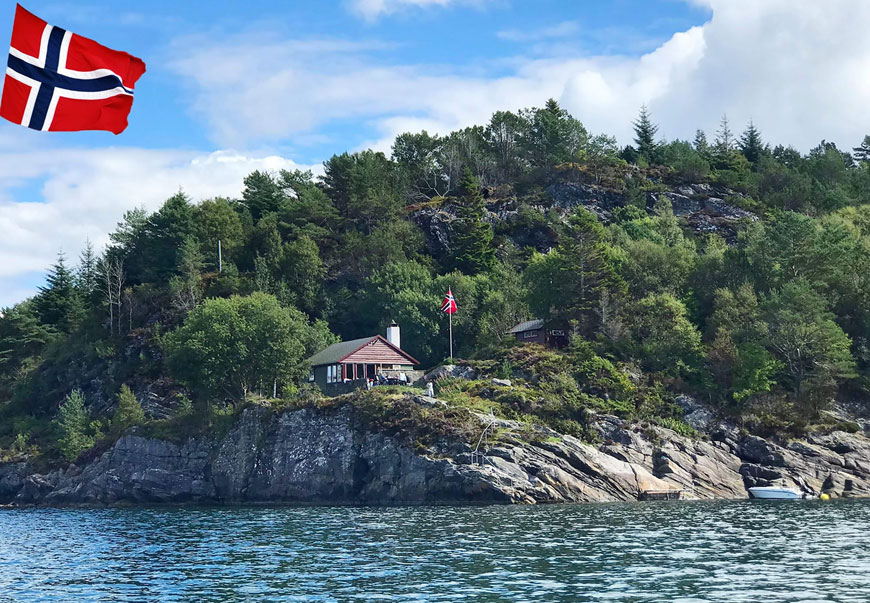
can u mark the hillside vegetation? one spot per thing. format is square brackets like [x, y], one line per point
[756, 302]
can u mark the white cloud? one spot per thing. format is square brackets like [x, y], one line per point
[85, 192]
[371, 10]
[797, 69]
[560, 30]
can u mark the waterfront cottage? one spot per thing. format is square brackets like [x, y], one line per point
[350, 364]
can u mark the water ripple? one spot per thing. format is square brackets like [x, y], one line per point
[722, 551]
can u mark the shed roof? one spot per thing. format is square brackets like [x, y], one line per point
[529, 325]
[339, 351]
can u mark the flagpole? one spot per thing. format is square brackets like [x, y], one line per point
[451, 336]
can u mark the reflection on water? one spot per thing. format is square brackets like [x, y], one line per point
[726, 551]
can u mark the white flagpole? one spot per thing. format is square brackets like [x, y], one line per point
[451, 336]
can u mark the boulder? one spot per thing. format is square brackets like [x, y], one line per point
[758, 450]
[457, 371]
[694, 413]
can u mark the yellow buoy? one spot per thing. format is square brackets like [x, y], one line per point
[824, 496]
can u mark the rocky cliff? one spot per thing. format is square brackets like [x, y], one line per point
[706, 208]
[331, 455]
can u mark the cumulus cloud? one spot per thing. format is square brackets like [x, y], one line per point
[797, 69]
[83, 193]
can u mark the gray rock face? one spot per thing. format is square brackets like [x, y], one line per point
[329, 456]
[707, 209]
[450, 370]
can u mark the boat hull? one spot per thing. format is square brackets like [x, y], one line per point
[772, 492]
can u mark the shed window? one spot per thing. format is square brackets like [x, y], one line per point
[311, 376]
[531, 334]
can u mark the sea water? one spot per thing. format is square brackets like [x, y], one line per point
[763, 551]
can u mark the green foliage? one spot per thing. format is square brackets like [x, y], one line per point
[58, 303]
[475, 251]
[768, 319]
[644, 136]
[751, 145]
[862, 152]
[814, 350]
[663, 337]
[229, 347]
[73, 426]
[128, 412]
[567, 285]
[261, 196]
[680, 427]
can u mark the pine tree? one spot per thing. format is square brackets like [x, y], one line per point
[701, 145]
[129, 412]
[475, 251]
[72, 424]
[261, 195]
[186, 287]
[58, 303]
[645, 136]
[751, 145]
[862, 153]
[87, 274]
[724, 137]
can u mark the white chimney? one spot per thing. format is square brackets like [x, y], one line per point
[393, 335]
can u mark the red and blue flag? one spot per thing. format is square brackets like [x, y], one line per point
[62, 82]
[448, 306]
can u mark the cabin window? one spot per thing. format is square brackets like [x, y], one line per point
[311, 376]
[531, 334]
[333, 373]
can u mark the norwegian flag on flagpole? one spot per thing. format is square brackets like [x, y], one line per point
[62, 82]
[448, 306]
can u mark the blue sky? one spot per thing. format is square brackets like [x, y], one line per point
[484, 39]
[232, 87]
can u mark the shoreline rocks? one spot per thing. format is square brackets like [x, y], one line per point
[329, 456]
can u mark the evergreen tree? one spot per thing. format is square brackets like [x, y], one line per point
[261, 194]
[303, 272]
[154, 256]
[644, 136]
[58, 303]
[128, 231]
[474, 250]
[72, 425]
[751, 145]
[128, 412]
[701, 145]
[186, 286]
[87, 275]
[22, 337]
[569, 283]
[552, 137]
[724, 143]
[813, 348]
[862, 153]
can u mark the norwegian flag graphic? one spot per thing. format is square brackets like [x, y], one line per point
[448, 306]
[62, 82]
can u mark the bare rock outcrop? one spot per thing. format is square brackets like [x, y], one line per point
[317, 455]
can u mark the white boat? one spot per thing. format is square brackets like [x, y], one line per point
[776, 492]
